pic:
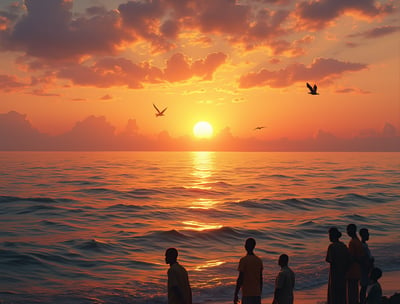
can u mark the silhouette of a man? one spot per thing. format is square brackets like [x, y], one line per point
[367, 264]
[338, 257]
[250, 278]
[284, 282]
[179, 291]
[354, 273]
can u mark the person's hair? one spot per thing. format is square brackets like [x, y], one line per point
[363, 231]
[172, 252]
[250, 244]
[283, 259]
[335, 233]
[352, 228]
[376, 273]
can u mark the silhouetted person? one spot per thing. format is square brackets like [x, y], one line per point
[284, 282]
[354, 273]
[179, 291]
[338, 257]
[250, 278]
[374, 288]
[367, 263]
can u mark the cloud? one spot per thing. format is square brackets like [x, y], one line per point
[352, 90]
[321, 69]
[17, 133]
[95, 133]
[10, 83]
[108, 72]
[48, 30]
[318, 14]
[106, 97]
[377, 32]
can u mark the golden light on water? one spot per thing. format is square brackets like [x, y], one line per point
[208, 264]
[199, 226]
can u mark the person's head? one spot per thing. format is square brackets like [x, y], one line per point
[334, 234]
[171, 255]
[283, 260]
[364, 234]
[250, 245]
[352, 230]
[376, 274]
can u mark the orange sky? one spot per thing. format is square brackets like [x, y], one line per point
[236, 64]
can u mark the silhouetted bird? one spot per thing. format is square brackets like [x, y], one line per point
[313, 90]
[159, 113]
[259, 128]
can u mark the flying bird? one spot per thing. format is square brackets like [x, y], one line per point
[159, 113]
[313, 90]
[259, 128]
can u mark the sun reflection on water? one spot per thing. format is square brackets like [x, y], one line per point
[203, 166]
[199, 226]
[208, 264]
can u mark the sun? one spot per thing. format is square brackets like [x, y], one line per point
[203, 129]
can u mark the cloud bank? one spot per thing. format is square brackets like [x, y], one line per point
[96, 134]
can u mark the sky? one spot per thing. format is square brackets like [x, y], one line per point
[85, 74]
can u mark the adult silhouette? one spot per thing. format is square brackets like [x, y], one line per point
[250, 278]
[354, 273]
[367, 263]
[338, 258]
[284, 282]
[179, 290]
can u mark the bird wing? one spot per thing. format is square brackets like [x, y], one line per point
[309, 87]
[315, 88]
[162, 112]
[155, 107]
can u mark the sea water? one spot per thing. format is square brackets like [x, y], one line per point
[92, 227]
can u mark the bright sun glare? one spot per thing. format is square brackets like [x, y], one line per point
[203, 129]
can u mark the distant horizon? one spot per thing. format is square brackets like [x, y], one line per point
[97, 134]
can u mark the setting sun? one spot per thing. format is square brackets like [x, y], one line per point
[203, 129]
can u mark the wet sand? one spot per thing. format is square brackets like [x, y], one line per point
[389, 283]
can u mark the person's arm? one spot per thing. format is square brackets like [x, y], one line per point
[239, 283]
[261, 281]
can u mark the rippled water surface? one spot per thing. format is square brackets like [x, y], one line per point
[93, 227]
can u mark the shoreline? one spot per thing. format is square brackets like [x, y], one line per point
[318, 295]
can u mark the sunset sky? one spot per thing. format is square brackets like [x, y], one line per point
[235, 64]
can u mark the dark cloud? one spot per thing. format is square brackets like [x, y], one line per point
[47, 30]
[10, 83]
[321, 69]
[318, 14]
[377, 32]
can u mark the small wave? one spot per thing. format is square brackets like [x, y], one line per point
[218, 184]
[59, 226]
[11, 199]
[11, 257]
[93, 245]
[37, 208]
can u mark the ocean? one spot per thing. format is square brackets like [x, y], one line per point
[92, 227]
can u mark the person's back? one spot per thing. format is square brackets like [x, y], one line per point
[250, 276]
[251, 266]
[178, 279]
[179, 290]
[284, 283]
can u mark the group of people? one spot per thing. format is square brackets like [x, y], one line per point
[352, 267]
[349, 267]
